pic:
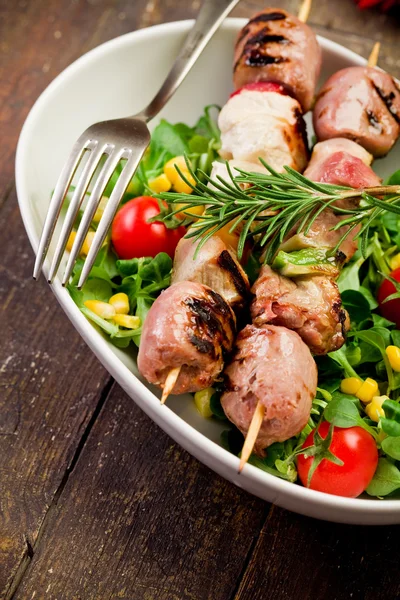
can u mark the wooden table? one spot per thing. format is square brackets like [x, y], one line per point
[96, 502]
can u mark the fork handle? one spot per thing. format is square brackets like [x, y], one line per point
[210, 17]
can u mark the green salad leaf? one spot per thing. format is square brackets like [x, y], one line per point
[386, 479]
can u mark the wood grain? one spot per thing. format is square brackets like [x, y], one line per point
[95, 501]
[140, 519]
[43, 411]
[297, 557]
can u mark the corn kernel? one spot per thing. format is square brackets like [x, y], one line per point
[374, 409]
[169, 167]
[101, 309]
[128, 321]
[160, 184]
[71, 240]
[350, 385]
[120, 302]
[230, 239]
[87, 243]
[100, 209]
[202, 401]
[395, 262]
[178, 183]
[193, 211]
[393, 354]
[367, 391]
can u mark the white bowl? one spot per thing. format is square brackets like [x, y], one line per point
[117, 79]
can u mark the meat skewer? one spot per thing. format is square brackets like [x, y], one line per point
[270, 384]
[276, 46]
[361, 104]
[195, 311]
[187, 335]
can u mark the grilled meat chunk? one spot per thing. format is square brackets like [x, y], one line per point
[339, 162]
[362, 104]
[311, 306]
[188, 326]
[271, 365]
[216, 266]
[341, 168]
[263, 124]
[276, 46]
[321, 235]
[323, 150]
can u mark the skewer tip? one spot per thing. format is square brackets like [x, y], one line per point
[304, 11]
[252, 434]
[169, 383]
[373, 57]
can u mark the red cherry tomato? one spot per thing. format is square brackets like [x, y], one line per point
[262, 86]
[133, 236]
[358, 451]
[390, 310]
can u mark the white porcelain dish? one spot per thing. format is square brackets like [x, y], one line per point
[114, 80]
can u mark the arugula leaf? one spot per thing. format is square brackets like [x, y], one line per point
[390, 427]
[386, 479]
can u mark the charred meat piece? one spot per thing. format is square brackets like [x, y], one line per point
[264, 124]
[276, 46]
[271, 365]
[216, 266]
[362, 104]
[188, 326]
[311, 306]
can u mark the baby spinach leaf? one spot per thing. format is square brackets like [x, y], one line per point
[390, 427]
[386, 479]
[391, 446]
[340, 357]
[395, 337]
[342, 411]
[356, 305]
[380, 321]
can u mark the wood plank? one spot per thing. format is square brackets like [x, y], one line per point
[298, 557]
[140, 519]
[50, 385]
[39, 39]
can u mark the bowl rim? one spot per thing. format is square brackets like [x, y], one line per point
[190, 438]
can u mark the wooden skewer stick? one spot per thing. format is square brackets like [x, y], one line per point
[373, 57]
[252, 434]
[169, 383]
[304, 11]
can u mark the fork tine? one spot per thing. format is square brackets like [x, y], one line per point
[76, 200]
[91, 207]
[109, 212]
[56, 203]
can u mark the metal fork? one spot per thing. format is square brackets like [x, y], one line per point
[118, 139]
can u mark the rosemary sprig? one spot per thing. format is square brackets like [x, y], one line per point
[268, 206]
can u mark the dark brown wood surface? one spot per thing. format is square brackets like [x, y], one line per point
[96, 502]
